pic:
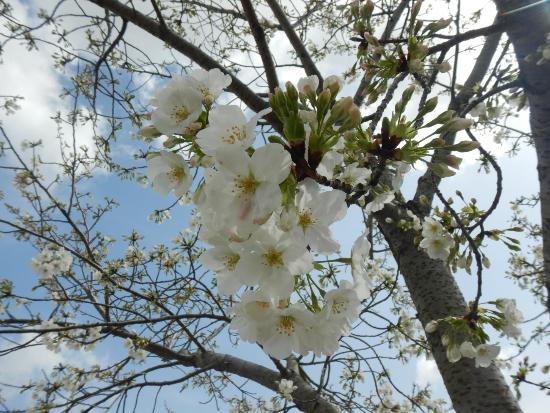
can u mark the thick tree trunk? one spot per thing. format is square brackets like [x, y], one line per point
[436, 295]
[527, 25]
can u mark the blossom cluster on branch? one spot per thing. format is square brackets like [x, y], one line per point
[266, 210]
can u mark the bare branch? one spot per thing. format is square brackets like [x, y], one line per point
[295, 41]
[261, 42]
[188, 49]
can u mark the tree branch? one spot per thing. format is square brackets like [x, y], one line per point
[261, 43]
[301, 51]
[428, 181]
[305, 397]
[496, 27]
[359, 96]
[190, 50]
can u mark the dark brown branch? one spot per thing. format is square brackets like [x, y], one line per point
[497, 27]
[359, 96]
[188, 49]
[427, 181]
[261, 43]
[295, 41]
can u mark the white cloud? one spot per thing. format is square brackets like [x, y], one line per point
[31, 75]
[427, 372]
[21, 366]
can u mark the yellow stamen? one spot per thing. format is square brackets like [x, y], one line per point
[234, 134]
[176, 174]
[286, 325]
[231, 261]
[180, 113]
[273, 258]
[246, 185]
[305, 219]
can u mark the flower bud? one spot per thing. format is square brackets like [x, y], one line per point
[334, 83]
[465, 146]
[341, 108]
[291, 92]
[149, 132]
[323, 102]
[431, 327]
[441, 170]
[194, 161]
[441, 118]
[353, 119]
[308, 85]
[444, 67]
[441, 24]
[452, 161]
[371, 39]
[457, 124]
[171, 142]
[367, 10]
[415, 66]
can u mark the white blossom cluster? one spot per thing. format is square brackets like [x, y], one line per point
[483, 354]
[134, 352]
[436, 240]
[507, 316]
[51, 261]
[263, 227]
[76, 339]
[255, 240]
[512, 317]
[286, 387]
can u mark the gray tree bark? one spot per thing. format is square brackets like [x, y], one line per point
[306, 398]
[436, 295]
[527, 24]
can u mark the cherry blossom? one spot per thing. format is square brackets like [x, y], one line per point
[359, 254]
[223, 260]
[285, 332]
[286, 387]
[209, 83]
[169, 172]
[485, 354]
[512, 317]
[438, 248]
[342, 305]
[316, 211]
[51, 261]
[178, 105]
[271, 258]
[228, 127]
[353, 174]
[253, 309]
[379, 201]
[248, 187]
[330, 161]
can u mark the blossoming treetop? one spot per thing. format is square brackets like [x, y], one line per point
[268, 171]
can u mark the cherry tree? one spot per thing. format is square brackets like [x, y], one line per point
[264, 125]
